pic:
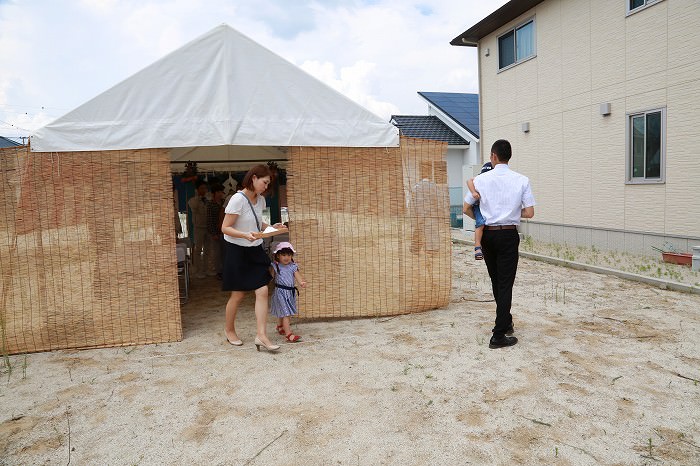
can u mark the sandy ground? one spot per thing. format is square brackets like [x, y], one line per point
[601, 375]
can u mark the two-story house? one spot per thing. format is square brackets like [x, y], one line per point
[600, 100]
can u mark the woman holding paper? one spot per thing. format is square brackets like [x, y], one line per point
[246, 266]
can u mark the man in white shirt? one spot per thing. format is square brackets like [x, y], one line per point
[505, 197]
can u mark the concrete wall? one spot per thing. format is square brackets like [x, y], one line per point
[605, 239]
[590, 52]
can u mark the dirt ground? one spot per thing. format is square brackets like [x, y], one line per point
[606, 372]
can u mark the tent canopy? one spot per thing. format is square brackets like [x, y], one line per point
[221, 89]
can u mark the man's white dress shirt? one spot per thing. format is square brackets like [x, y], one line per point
[504, 193]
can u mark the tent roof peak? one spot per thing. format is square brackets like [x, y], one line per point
[221, 88]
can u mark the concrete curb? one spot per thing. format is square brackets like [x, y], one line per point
[657, 282]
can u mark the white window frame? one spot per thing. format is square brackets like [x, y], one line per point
[514, 31]
[647, 4]
[629, 179]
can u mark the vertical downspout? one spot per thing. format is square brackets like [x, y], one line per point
[481, 110]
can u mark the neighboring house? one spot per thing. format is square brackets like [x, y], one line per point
[599, 99]
[6, 142]
[453, 118]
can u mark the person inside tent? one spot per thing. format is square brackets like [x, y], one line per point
[198, 218]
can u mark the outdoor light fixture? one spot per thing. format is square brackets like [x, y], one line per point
[525, 127]
[605, 109]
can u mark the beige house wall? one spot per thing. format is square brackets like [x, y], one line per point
[590, 52]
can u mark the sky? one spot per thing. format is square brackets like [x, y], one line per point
[56, 56]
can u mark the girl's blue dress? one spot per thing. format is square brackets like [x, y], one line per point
[284, 302]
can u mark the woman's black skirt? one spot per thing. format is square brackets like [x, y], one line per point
[246, 268]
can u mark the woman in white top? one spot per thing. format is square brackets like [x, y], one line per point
[246, 265]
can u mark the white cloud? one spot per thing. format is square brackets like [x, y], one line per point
[31, 121]
[352, 81]
[157, 27]
[103, 7]
[410, 51]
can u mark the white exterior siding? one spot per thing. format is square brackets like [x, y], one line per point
[455, 159]
[683, 143]
[589, 52]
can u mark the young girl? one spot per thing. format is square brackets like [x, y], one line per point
[284, 299]
[478, 218]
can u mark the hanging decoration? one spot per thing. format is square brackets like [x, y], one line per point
[190, 173]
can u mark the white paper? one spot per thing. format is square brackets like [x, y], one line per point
[269, 229]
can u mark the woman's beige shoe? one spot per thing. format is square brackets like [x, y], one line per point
[259, 343]
[235, 342]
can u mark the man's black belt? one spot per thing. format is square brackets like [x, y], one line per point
[500, 227]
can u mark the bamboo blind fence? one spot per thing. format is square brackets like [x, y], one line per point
[371, 228]
[87, 255]
[87, 250]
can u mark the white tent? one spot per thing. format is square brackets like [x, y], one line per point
[218, 91]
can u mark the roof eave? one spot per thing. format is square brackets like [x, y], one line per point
[500, 17]
[466, 42]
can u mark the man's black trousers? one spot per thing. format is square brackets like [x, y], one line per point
[500, 248]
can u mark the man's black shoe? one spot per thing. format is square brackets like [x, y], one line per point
[502, 342]
[510, 330]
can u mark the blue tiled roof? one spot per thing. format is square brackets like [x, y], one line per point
[5, 142]
[462, 108]
[427, 127]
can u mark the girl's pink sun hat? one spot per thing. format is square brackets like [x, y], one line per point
[283, 245]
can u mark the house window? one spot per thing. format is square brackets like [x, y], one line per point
[635, 5]
[646, 136]
[516, 45]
